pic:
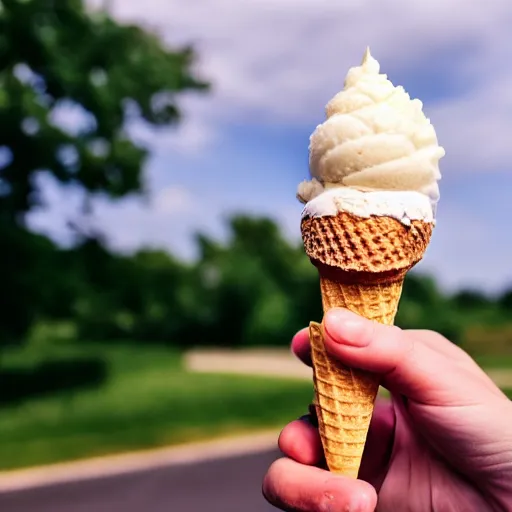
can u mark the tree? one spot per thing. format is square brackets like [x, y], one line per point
[56, 54]
[143, 297]
[26, 260]
[505, 300]
[471, 300]
[258, 288]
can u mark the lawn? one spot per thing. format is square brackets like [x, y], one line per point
[147, 401]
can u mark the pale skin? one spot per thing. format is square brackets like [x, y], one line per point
[442, 443]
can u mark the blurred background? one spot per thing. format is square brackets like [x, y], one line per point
[152, 268]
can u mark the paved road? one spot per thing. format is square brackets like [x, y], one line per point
[226, 485]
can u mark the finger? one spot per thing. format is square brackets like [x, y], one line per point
[379, 444]
[300, 441]
[301, 347]
[408, 366]
[291, 486]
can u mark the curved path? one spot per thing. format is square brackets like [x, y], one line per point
[230, 484]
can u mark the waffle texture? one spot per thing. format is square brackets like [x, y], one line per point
[362, 263]
[371, 246]
[344, 400]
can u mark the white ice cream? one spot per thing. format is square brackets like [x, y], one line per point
[404, 206]
[375, 138]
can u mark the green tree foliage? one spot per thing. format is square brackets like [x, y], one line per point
[505, 301]
[254, 288]
[259, 287]
[148, 297]
[55, 56]
[26, 261]
[471, 299]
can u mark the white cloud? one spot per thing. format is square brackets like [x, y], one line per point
[193, 135]
[280, 60]
[71, 118]
[58, 206]
[469, 250]
[476, 128]
[166, 221]
[172, 201]
[176, 215]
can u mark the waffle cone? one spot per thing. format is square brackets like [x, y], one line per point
[362, 264]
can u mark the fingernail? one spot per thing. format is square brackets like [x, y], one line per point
[346, 328]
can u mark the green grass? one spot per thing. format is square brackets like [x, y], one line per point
[148, 401]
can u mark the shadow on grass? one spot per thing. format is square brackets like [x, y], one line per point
[50, 377]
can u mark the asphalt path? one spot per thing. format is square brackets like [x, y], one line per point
[223, 485]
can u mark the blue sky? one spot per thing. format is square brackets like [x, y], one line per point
[273, 65]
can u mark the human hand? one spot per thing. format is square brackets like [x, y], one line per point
[443, 442]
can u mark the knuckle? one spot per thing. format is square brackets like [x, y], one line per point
[397, 338]
[395, 331]
[409, 348]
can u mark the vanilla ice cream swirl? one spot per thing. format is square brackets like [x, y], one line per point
[375, 138]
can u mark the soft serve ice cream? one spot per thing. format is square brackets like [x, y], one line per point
[376, 153]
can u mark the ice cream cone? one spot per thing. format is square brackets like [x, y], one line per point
[370, 208]
[362, 263]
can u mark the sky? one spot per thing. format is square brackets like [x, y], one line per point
[273, 65]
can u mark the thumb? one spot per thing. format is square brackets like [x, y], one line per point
[407, 365]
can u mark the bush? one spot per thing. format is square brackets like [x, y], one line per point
[49, 377]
